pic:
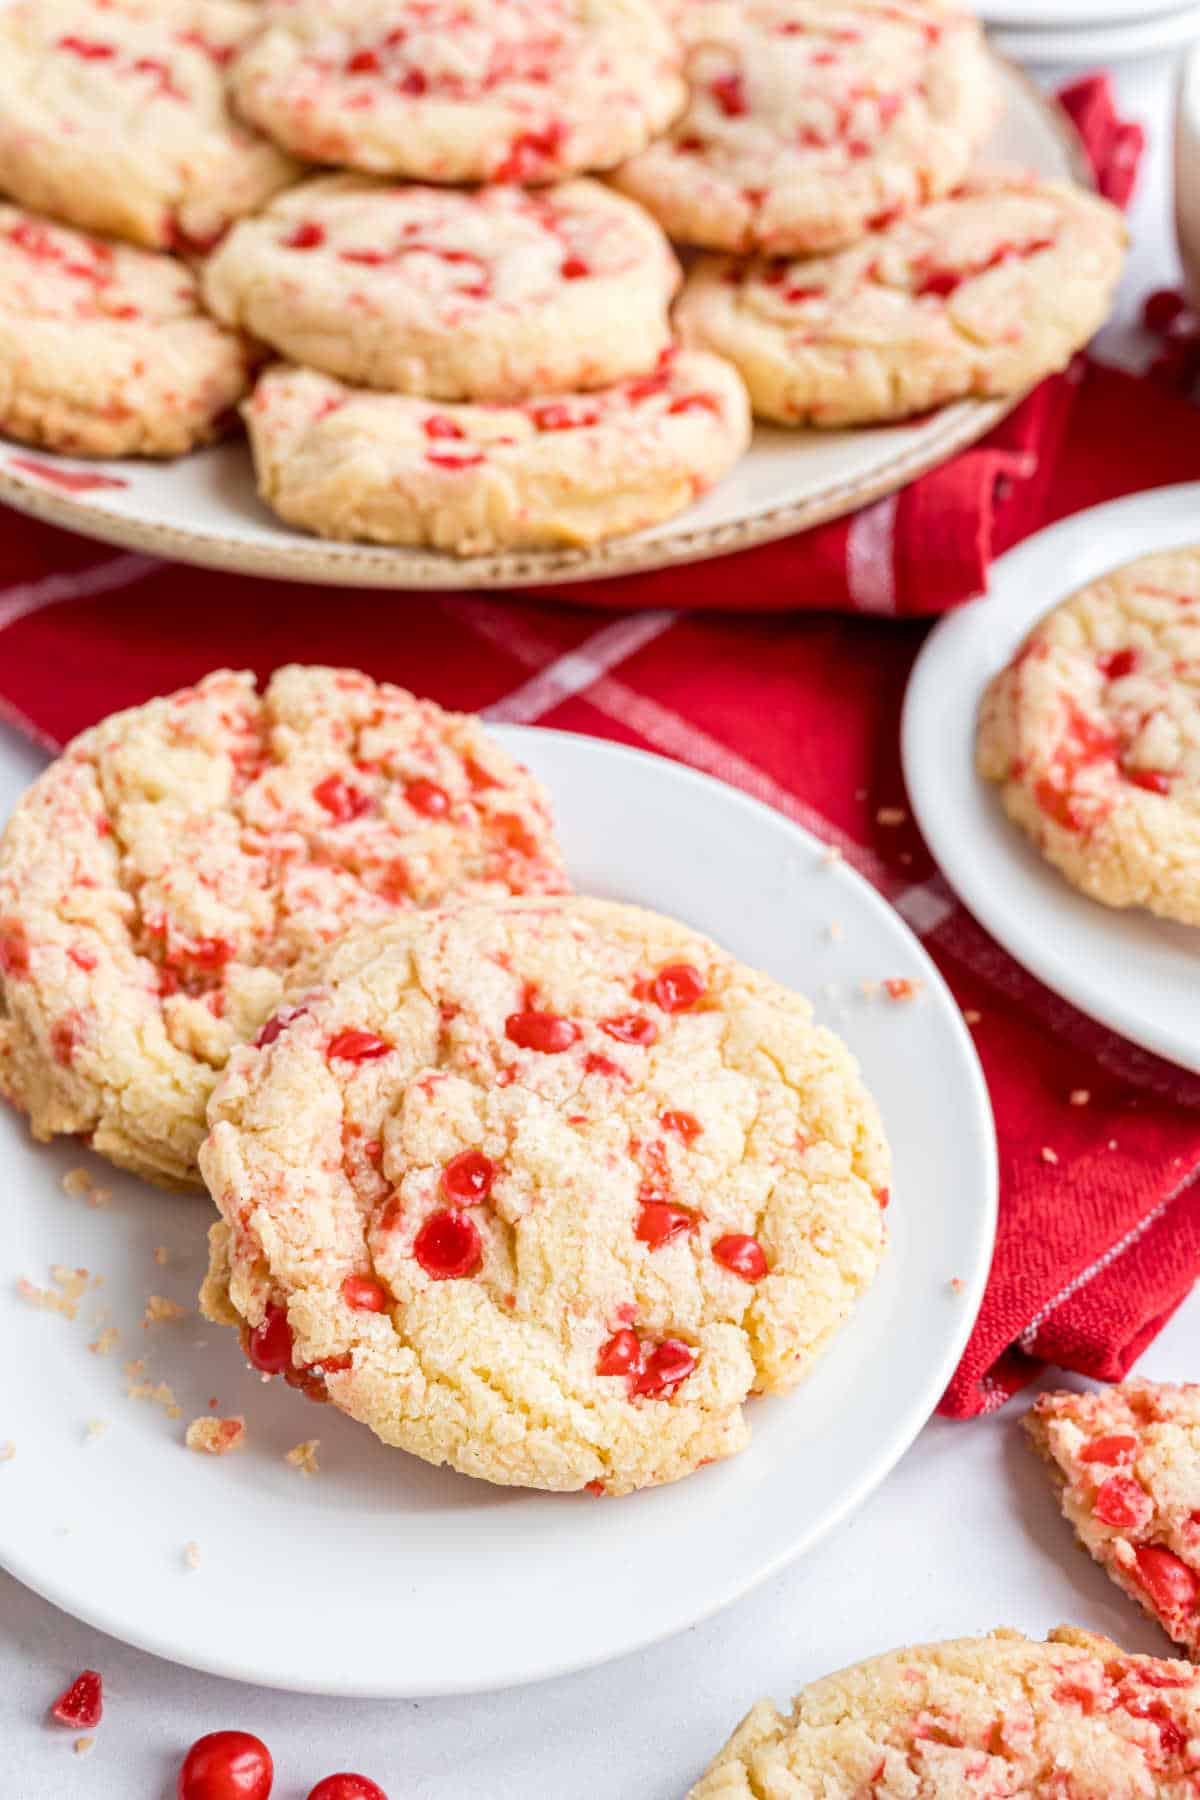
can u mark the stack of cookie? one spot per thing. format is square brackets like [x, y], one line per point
[538, 1186]
[480, 353]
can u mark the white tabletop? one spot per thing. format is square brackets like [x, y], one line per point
[962, 1537]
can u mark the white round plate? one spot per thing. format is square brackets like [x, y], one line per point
[381, 1575]
[1103, 44]
[1135, 973]
[203, 509]
[1074, 15]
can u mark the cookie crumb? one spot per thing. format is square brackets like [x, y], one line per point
[1080, 1096]
[191, 1554]
[160, 1310]
[106, 1343]
[1049, 1155]
[835, 931]
[902, 987]
[83, 1745]
[971, 1016]
[140, 1388]
[890, 815]
[95, 1428]
[162, 1255]
[832, 855]
[215, 1437]
[99, 1196]
[76, 1182]
[304, 1456]
[7, 1451]
[956, 1284]
[72, 1285]
[869, 989]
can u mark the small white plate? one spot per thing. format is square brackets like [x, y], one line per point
[204, 509]
[381, 1575]
[1102, 43]
[1135, 973]
[1073, 15]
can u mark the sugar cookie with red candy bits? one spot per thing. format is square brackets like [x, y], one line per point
[561, 1184]
[564, 469]
[106, 350]
[1093, 734]
[115, 116]
[1126, 1462]
[810, 120]
[483, 294]
[524, 91]
[159, 881]
[982, 293]
[1073, 1718]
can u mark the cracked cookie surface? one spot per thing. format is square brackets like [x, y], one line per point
[808, 120]
[544, 1191]
[560, 470]
[1093, 734]
[1073, 1718]
[115, 116]
[105, 350]
[491, 294]
[161, 878]
[1126, 1462]
[463, 90]
[981, 293]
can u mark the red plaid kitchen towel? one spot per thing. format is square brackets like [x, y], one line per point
[1099, 1242]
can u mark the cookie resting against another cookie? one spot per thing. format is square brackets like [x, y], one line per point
[1126, 1461]
[809, 121]
[483, 294]
[982, 294]
[559, 470]
[995, 1718]
[159, 880]
[115, 116]
[1093, 734]
[463, 90]
[105, 350]
[543, 1190]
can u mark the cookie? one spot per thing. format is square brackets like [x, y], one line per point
[567, 469]
[1074, 1718]
[562, 1184]
[1126, 1462]
[160, 879]
[106, 350]
[463, 90]
[115, 116]
[809, 121]
[1093, 734]
[478, 294]
[982, 293]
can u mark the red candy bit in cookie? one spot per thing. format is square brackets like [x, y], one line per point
[632, 1028]
[1168, 1581]
[665, 1369]
[307, 235]
[1114, 665]
[659, 1221]
[1123, 1503]
[343, 802]
[82, 1704]
[275, 1026]
[441, 425]
[556, 415]
[622, 1355]
[269, 1345]
[742, 1254]
[546, 1032]
[347, 1787]
[532, 154]
[467, 1178]
[683, 1124]
[87, 49]
[448, 1247]
[83, 959]
[729, 92]
[14, 952]
[1153, 781]
[64, 1039]
[355, 1045]
[362, 1293]
[574, 268]
[689, 403]
[1109, 1450]
[226, 1765]
[428, 798]
[594, 1064]
[677, 987]
[468, 459]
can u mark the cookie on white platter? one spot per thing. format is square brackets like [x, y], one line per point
[1074, 1718]
[982, 293]
[567, 469]
[1092, 733]
[811, 120]
[463, 90]
[473, 294]
[105, 350]
[161, 878]
[115, 116]
[543, 1190]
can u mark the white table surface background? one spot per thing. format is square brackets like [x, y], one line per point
[962, 1537]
